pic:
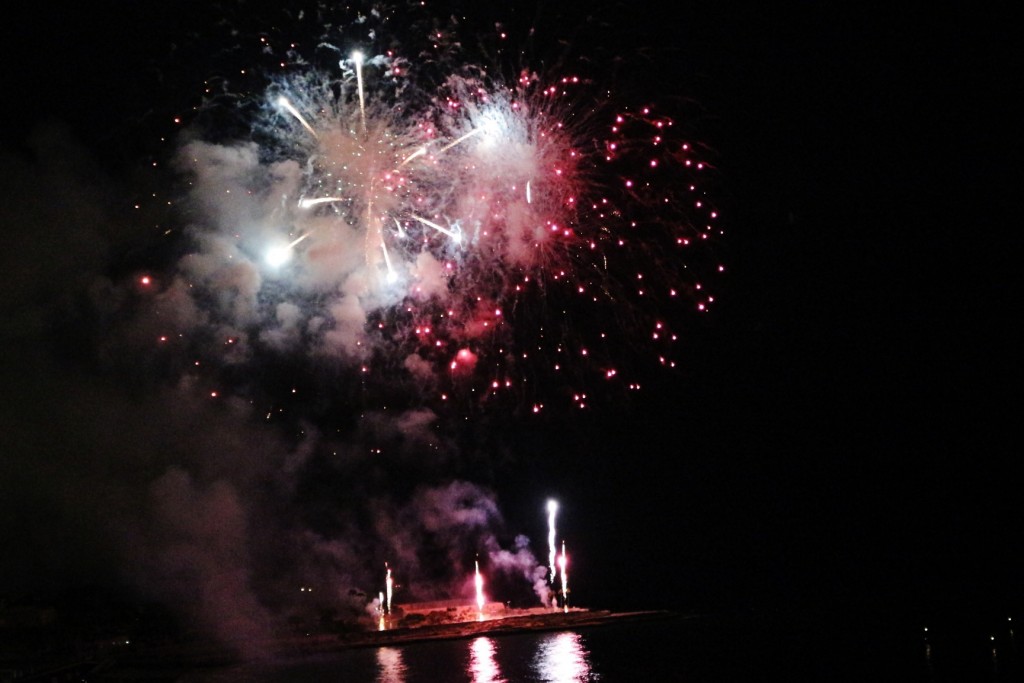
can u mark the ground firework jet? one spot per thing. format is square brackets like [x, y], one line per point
[563, 562]
[478, 582]
[552, 510]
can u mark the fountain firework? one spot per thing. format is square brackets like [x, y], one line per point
[563, 562]
[478, 582]
[552, 510]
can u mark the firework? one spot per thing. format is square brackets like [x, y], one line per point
[363, 251]
[552, 510]
[405, 224]
[478, 582]
[562, 564]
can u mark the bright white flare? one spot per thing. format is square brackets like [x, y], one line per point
[389, 584]
[278, 256]
[479, 581]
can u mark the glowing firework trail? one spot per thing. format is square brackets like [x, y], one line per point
[309, 203]
[387, 261]
[479, 581]
[277, 256]
[562, 562]
[357, 57]
[283, 102]
[552, 510]
[418, 153]
[297, 240]
[423, 150]
[389, 585]
[459, 141]
[445, 231]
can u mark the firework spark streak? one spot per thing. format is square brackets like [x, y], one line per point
[552, 510]
[563, 561]
[478, 582]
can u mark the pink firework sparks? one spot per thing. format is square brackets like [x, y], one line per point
[467, 237]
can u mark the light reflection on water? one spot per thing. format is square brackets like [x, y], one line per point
[697, 650]
[482, 664]
[562, 658]
[390, 665]
[553, 658]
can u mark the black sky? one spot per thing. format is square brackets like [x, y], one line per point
[844, 427]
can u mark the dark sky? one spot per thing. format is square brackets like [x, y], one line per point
[842, 427]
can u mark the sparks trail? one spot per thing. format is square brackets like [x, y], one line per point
[474, 237]
[552, 511]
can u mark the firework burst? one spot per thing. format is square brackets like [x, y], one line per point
[457, 239]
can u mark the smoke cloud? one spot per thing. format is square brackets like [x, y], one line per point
[127, 463]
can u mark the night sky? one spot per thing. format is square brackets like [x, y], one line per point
[840, 430]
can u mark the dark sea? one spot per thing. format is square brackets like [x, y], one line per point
[683, 648]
